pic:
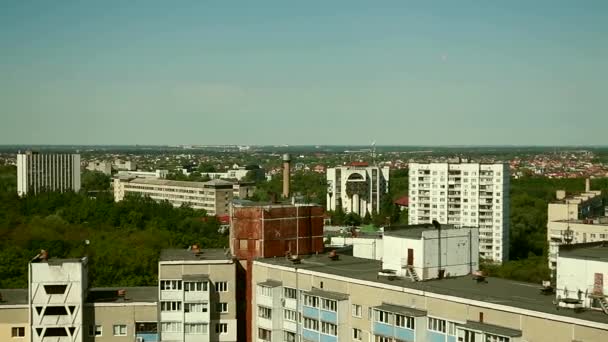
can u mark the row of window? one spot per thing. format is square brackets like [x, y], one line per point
[195, 286]
[312, 301]
[326, 328]
[192, 328]
[168, 306]
[117, 330]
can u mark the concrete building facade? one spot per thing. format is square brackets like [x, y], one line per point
[100, 166]
[465, 195]
[38, 172]
[578, 218]
[214, 196]
[197, 296]
[357, 189]
[323, 299]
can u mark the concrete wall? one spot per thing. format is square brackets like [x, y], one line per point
[394, 256]
[13, 316]
[109, 314]
[575, 275]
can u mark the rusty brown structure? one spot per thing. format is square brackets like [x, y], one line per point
[272, 230]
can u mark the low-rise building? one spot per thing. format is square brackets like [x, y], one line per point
[214, 196]
[158, 174]
[100, 166]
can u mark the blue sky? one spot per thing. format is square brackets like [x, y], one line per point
[310, 72]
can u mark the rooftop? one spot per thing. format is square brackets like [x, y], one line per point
[597, 251]
[188, 255]
[496, 291]
[184, 184]
[493, 329]
[13, 296]
[132, 294]
[413, 231]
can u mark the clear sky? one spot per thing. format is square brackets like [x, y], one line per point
[304, 72]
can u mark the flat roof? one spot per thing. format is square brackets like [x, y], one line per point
[414, 231]
[317, 292]
[271, 283]
[603, 221]
[188, 255]
[13, 296]
[400, 309]
[597, 251]
[496, 291]
[492, 329]
[184, 184]
[145, 294]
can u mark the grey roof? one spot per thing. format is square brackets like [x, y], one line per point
[13, 296]
[413, 231]
[327, 294]
[271, 283]
[496, 291]
[186, 184]
[492, 329]
[402, 310]
[133, 294]
[186, 255]
[590, 251]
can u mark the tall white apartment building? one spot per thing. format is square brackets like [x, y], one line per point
[214, 196]
[56, 297]
[52, 172]
[197, 295]
[465, 195]
[358, 188]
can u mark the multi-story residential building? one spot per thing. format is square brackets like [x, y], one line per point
[577, 218]
[128, 165]
[100, 166]
[213, 196]
[357, 188]
[197, 295]
[318, 298]
[465, 195]
[47, 172]
[582, 276]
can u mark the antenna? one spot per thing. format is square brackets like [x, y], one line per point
[374, 153]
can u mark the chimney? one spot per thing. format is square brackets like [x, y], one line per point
[286, 175]
[587, 185]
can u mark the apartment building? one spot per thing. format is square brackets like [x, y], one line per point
[197, 295]
[575, 218]
[318, 298]
[466, 195]
[38, 172]
[357, 188]
[213, 196]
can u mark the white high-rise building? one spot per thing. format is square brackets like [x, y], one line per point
[465, 195]
[357, 187]
[52, 172]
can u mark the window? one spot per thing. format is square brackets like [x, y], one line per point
[328, 304]
[452, 328]
[404, 321]
[171, 327]
[311, 301]
[264, 291]
[195, 328]
[195, 286]
[382, 339]
[55, 289]
[170, 306]
[119, 329]
[329, 329]
[289, 293]
[311, 324]
[264, 335]
[18, 332]
[382, 316]
[55, 311]
[290, 315]
[357, 309]
[95, 330]
[221, 307]
[357, 335]
[289, 336]
[496, 338]
[436, 325]
[195, 307]
[264, 312]
[170, 285]
[221, 286]
[221, 328]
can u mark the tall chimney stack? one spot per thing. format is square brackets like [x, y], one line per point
[286, 174]
[587, 185]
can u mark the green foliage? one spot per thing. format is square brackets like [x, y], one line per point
[533, 269]
[125, 237]
[94, 181]
[352, 219]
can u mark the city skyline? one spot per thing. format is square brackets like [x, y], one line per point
[349, 72]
